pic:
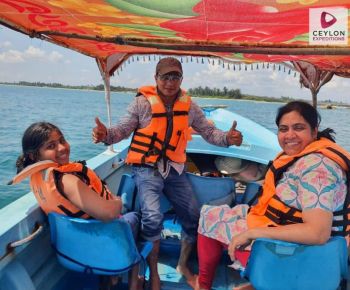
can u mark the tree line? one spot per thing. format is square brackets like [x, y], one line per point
[216, 92]
[83, 87]
[205, 92]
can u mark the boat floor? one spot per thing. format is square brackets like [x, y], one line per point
[225, 279]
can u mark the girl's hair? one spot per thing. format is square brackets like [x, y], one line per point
[33, 138]
[309, 113]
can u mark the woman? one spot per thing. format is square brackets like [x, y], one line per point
[68, 188]
[303, 194]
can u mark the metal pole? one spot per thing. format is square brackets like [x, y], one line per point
[102, 65]
[107, 86]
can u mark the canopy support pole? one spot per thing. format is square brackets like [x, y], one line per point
[107, 67]
[107, 87]
[305, 80]
[312, 78]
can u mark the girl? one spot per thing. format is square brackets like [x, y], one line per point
[68, 188]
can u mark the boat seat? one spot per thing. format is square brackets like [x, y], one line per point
[276, 265]
[93, 246]
[249, 194]
[212, 190]
[128, 192]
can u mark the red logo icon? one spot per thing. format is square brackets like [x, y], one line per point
[324, 22]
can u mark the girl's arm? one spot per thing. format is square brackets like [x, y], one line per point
[83, 197]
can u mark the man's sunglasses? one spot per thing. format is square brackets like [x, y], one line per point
[170, 77]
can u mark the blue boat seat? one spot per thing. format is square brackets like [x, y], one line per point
[93, 246]
[128, 192]
[212, 190]
[249, 195]
[276, 265]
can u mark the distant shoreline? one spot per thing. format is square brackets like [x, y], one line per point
[60, 86]
[64, 88]
[100, 88]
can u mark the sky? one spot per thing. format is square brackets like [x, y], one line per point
[27, 59]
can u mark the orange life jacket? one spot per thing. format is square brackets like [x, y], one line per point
[44, 182]
[271, 211]
[149, 144]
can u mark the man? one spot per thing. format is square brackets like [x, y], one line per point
[161, 117]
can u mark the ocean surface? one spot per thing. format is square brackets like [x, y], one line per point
[73, 111]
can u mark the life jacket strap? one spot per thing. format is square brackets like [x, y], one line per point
[279, 172]
[170, 114]
[345, 223]
[283, 218]
[255, 197]
[147, 136]
[340, 233]
[67, 212]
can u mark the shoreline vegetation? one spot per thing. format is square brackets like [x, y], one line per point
[225, 93]
[61, 86]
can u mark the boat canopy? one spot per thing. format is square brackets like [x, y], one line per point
[238, 30]
[244, 31]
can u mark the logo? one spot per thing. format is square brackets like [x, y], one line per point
[324, 22]
[328, 26]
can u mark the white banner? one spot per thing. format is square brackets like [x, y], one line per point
[328, 26]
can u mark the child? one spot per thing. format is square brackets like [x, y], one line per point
[68, 188]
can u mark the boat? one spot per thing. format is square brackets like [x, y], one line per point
[330, 107]
[236, 33]
[18, 245]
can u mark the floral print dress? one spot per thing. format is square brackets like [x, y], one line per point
[314, 181]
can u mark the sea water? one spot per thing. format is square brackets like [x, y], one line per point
[74, 111]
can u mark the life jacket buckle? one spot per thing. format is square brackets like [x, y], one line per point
[153, 151]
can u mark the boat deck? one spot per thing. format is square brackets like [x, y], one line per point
[225, 279]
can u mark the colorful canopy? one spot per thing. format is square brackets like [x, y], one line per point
[238, 30]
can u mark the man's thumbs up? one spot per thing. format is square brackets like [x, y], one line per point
[234, 137]
[234, 125]
[99, 132]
